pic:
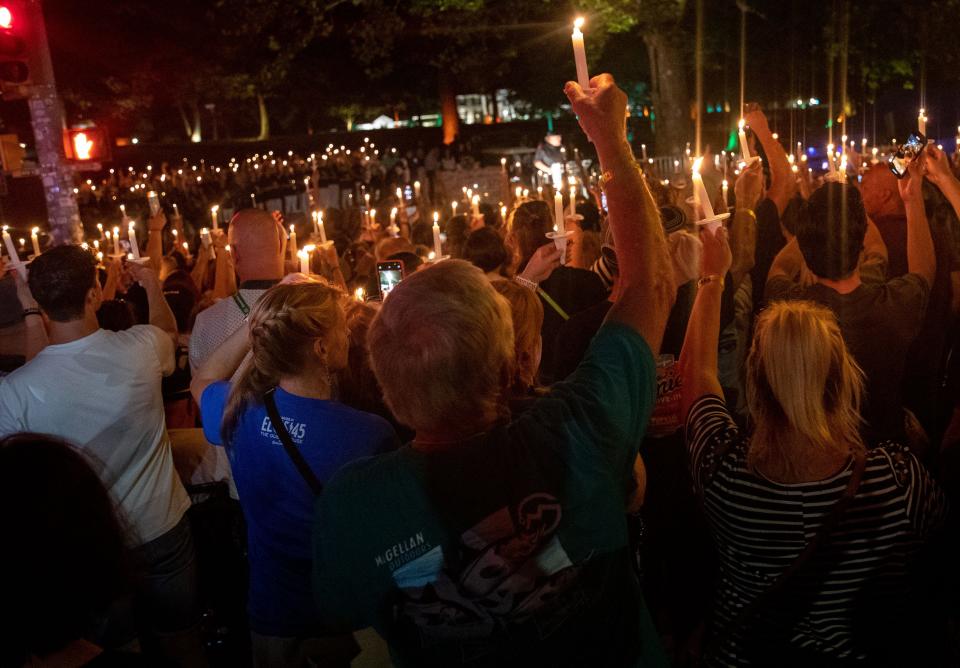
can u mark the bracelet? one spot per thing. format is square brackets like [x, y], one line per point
[712, 278]
[525, 282]
[30, 311]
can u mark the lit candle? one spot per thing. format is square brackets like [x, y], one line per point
[35, 240]
[503, 213]
[154, 203]
[416, 189]
[503, 164]
[558, 212]
[359, 294]
[96, 244]
[321, 228]
[12, 252]
[100, 229]
[580, 55]
[373, 217]
[556, 175]
[437, 249]
[700, 196]
[132, 238]
[176, 211]
[304, 261]
[922, 122]
[643, 150]
[186, 248]
[214, 210]
[539, 192]
[123, 214]
[726, 193]
[744, 146]
[453, 206]
[573, 200]
[843, 168]
[518, 191]
[116, 241]
[863, 145]
[253, 200]
[475, 202]
[293, 242]
[400, 195]
[831, 165]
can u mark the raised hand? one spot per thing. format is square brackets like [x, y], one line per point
[542, 263]
[716, 257]
[601, 110]
[749, 186]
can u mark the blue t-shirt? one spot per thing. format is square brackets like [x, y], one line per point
[277, 502]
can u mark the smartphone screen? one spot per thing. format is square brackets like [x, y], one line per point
[389, 274]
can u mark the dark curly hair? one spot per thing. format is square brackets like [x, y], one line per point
[485, 249]
[830, 232]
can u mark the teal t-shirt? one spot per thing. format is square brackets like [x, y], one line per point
[508, 548]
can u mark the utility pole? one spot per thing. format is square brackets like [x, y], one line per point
[46, 116]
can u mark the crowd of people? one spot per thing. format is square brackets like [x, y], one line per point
[617, 439]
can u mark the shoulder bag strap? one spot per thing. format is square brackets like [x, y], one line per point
[241, 303]
[833, 518]
[292, 450]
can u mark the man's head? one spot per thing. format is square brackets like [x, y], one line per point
[881, 195]
[257, 244]
[554, 139]
[64, 282]
[831, 233]
[442, 349]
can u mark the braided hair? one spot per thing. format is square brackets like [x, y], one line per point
[284, 326]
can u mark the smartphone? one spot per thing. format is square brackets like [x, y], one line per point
[408, 193]
[908, 152]
[389, 275]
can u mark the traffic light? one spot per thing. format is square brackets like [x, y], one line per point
[86, 145]
[13, 49]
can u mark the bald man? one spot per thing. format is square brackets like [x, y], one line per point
[258, 244]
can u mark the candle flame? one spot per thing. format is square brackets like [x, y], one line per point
[359, 293]
[214, 208]
[578, 23]
[35, 230]
[741, 124]
[436, 217]
[696, 165]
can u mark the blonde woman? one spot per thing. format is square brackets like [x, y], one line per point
[527, 315]
[815, 535]
[297, 338]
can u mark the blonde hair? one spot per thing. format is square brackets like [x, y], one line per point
[803, 387]
[527, 315]
[284, 326]
[442, 348]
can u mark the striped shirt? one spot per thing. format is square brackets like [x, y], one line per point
[761, 527]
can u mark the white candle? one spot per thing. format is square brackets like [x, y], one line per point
[558, 211]
[253, 200]
[573, 200]
[186, 249]
[304, 261]
[922, 122]
[132, 238]
[503, 213]
[556, 175]
[843, 168]
[503, 164]
[726, 193]
[154, 203]
[292, 242]
[35, 240]
[518, 191]
[580, 55]
[830, 158]
[643, 150]
[116, 241]
[476, 205]
[416, 189]
[700, 196]
[744, 146]
[176, 211]
[214, 210]
[453, 206]
[400, 195]
[863, 145]
[12, 252]
[320, 226]
[100, 229]
[437, 246]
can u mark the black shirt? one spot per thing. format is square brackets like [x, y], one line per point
[573, 290]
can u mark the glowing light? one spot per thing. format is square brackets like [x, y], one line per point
[6, 18]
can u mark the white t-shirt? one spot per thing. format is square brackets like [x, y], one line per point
[102, 393]
[215, 324]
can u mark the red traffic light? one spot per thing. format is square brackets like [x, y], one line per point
[6, 18]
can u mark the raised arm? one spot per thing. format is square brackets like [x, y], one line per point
[223, 363]
[645, 273]
[225, 275]
[698, 359]
[34, 332]
[920, 254]
[155, 227]
[940, 175]
[160, 314]
[783, 184]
